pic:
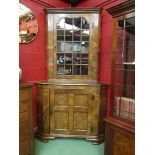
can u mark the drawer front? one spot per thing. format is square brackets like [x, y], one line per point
[24, 131]
[23, 116]
[23, 106]
[23, 94]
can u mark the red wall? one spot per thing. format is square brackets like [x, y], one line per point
[32, 56]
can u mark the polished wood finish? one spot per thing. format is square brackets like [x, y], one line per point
[93, 54]
[25, 120]
[119, 138]
[71, 110]
[120, 125]
[71, 103]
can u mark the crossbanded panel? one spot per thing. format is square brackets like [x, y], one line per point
[61, 100]
[61, 120]
[80, 120]
[124, 144]
[81, 100]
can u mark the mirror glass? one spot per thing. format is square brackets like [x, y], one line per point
[28, 26]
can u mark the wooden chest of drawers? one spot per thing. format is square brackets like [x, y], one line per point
[25, 120]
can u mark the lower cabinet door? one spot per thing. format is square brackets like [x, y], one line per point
[71, 111]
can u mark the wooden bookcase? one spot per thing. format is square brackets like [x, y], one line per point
[120, 123]
[71, 103]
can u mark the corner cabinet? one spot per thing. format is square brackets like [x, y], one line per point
[71, 103]
[120, 128]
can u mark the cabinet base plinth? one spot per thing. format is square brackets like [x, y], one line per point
[94, 139]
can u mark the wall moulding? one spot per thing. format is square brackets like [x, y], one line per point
[42, 3]
[109, 3]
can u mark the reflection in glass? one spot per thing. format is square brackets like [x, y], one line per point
[124, 91]
[84, 47]
[28, 26]
[60, 59]
[85, 24]
[69, 47]
[76, 70]
[68, 58]
[72, 46]
[60, 46]
[76, 58]
[84, 70]
[68, 70]
[61, 24]
[84, 59]
[76, 47]
[60, 69]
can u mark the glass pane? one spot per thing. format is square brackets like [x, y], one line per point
[68, 70]
[120, 40]
[77, 24]
[84, 58]
[76, 58]
[68, 24]
[68, 59]
[84, 47]
[61, 24]
[76, 70]
[60, 46]
[130, 22]
[120, 24]
[118, 77]
[73, 38]
[60, 32]
[119, 57]
[124, 91]
[68, 37]
[68, 47]
[60, 69]
[60, 58]
[85, 35]
[77, 47]
[129, 45]
[85, 24]
[84, 70]
[77, 36]
[129, 83]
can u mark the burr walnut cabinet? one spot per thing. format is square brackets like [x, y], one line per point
[120, 128]
[25, 120]
[71, 103]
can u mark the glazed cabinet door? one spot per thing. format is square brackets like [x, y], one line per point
[71, 47]
[71, 111]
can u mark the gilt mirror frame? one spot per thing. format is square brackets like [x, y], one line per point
[28, 26]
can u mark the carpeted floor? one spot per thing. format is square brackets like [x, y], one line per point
[68, 146]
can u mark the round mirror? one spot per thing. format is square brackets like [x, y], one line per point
[28, 26]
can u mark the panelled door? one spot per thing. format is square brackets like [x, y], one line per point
[72, 45]
[71, 111]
